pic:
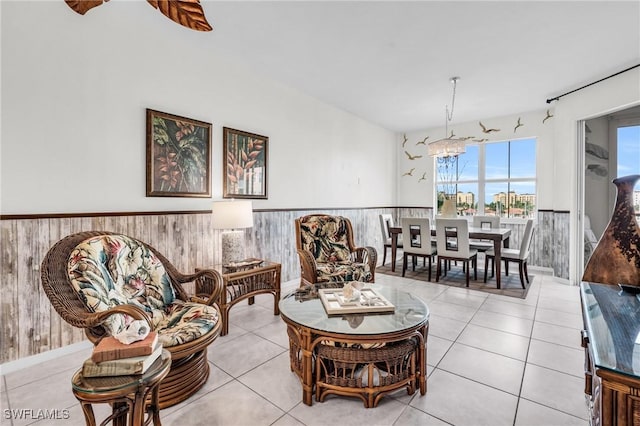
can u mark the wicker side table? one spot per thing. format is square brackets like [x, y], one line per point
[127, 394]
[243, 284]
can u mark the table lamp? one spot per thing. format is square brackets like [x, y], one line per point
[232, 216]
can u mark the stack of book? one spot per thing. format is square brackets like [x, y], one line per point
[112, 358]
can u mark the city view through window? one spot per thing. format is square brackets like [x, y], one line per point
[497, 178]
[629, 159]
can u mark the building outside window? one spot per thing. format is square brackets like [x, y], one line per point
[628, 154]
[494, 178]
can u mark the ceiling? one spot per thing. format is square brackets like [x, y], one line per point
[390, 62]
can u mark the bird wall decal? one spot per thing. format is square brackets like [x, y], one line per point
[424, 177]
[519, 124]
[409, 173]
[481, 140]
[423, 141]
[549, 115]
[485, 130]
[412, 157]
[405, 140]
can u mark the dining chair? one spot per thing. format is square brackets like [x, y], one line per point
[386, 222]
[416, 232]
[452, 237]
[484, 222]
[519, 255]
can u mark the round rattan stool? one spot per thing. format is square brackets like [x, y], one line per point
[368, 374]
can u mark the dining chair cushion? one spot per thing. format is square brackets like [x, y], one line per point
[111, 270]
[506, 253]
[490, 222]
[417, 233]
[386, 221]
[453, 238]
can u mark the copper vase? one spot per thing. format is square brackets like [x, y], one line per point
[616, 258]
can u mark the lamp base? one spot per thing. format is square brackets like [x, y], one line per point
[233, 249]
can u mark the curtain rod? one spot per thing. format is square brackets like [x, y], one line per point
[591, 84]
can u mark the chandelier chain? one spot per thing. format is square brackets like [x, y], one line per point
[449, 146]
[453, 80]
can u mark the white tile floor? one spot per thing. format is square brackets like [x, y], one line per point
[492, 360]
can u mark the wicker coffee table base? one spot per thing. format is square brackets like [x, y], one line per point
[368, 374]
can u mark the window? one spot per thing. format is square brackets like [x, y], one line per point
[497, 178]
[628, 153]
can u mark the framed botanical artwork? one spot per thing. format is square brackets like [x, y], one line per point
[244, 164]
[178, 156]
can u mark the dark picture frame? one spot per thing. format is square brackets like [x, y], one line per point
[178, 156]
[244, 166]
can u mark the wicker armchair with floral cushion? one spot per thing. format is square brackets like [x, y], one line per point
[328, 253]
[102, 281]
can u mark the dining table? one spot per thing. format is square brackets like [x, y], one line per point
[499, 236]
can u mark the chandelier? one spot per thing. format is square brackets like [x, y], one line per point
[449, 146]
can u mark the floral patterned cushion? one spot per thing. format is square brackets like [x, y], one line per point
[111, 270]
[343, 271]
[325, 237]
[185, 321]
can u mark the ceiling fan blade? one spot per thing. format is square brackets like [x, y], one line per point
[188, 13]
[83, 6]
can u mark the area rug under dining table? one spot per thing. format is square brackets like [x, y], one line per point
[456, 278]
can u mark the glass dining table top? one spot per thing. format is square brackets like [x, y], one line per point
[410, 312]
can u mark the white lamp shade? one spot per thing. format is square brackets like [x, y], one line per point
[232, 214]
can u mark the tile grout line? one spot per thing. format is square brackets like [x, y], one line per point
[524, 370]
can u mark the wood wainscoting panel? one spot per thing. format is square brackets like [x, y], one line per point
[30, 325]
[9, 288]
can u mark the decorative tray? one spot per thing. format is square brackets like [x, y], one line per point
[241, 265]
[369, 301]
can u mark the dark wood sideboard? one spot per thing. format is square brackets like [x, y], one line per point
[612, 356]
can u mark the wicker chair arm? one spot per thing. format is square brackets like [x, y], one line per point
[367, 255]
[98, 318]
[208, 283]
[209, 286]
[308, 266]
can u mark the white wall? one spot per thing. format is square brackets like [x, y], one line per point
[74, 93]
[413, 192]
[608, 96]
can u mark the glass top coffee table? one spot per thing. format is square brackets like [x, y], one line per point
[362, 355]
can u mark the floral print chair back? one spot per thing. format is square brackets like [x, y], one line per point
[328, 254]
[109, 280]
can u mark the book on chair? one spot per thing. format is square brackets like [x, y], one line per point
[122, 366]
[110, 348]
